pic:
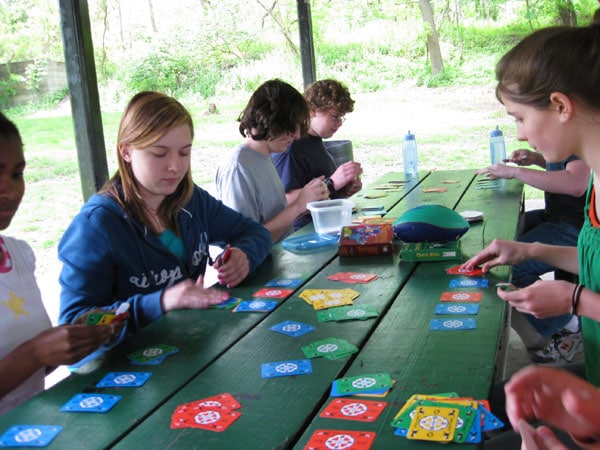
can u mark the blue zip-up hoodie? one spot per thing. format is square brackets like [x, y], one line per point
[110, 258]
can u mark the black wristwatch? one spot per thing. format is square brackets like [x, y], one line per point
[329, 183]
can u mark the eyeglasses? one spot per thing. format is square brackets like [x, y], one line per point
[336, 118]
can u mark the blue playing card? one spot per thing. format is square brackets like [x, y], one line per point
[256, 306]
[490, 421]
[29, 435]
[474, 435]
[286, 368]
[91, 403]
[457, 308]
[478, 282]
[452, 324]
[124, 379]
[285, 282]
[292, 328]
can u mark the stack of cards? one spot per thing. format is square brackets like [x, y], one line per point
[230, 303]
[347, 409]
[330, 348]
[328, 298]
[152, 355]
[352, 277]
[371, 385]
[215, 413]
[286, 368]
[342, 313]
[444, 418]
[255, 306]
[292, 328]
[341, 439]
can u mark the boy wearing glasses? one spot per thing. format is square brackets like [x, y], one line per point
[306, 158]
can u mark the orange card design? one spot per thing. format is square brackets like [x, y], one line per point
[461, 296]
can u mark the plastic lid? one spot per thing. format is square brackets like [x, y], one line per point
[310, 243]
[496, 132]
[409, 136]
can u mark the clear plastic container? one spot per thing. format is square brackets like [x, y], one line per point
[329, 216]
[409, 156]
[497, 147]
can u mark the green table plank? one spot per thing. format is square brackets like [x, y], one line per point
[201, 336]
[423, 361]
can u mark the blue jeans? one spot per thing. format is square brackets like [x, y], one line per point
[528, 272]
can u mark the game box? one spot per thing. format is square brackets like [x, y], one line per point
[362, 240]
[431, 251]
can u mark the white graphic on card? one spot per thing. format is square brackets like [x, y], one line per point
[286, 368]
[354, 409]
[339, 441]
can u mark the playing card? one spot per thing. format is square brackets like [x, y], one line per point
[452, 324]
[432, 423]
[480, 283]
[330, 348]
[457, 270]
[456, 308]
[206, 419]
[151, 353]
[286, 368]
[361, 383]
[124, 379]
[91, 403]
[255, 306]
[29, 435]
[230, 303]
[353, 277]
[354, 312]
[461, 296]
[270, 292]
[338, 439]
[361, 410]
[285, 282]
[331, 303]
[224, 400]
[292, 328]
[435, 189]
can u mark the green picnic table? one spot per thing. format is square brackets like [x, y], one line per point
[222, 352]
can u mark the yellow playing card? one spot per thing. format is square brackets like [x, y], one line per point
[332, 303]
[433, 423]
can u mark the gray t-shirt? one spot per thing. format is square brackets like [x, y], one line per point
[248, 182]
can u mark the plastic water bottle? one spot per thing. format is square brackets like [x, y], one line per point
[409, 156]
[497, 147]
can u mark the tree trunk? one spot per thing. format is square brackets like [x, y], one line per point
[433, 43]
[566, 13]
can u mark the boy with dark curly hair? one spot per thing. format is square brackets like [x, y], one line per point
[306, 158]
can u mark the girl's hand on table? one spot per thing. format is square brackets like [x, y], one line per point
[542, 299]
[498, 253]
[191, 295]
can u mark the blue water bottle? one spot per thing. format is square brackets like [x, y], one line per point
[497, 147]
[409, 156]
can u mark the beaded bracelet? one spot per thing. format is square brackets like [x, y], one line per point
[576, 298]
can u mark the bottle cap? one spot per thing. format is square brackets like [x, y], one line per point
[496, 132]
[409, 136]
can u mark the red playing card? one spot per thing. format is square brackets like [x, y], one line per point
[456, 270]
[352, 277]
[461, 296]
[362, 410]
[207, 419]
[273, 293]
[223, 400]
[328, 439]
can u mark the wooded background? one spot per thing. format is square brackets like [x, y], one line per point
[211, 48]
